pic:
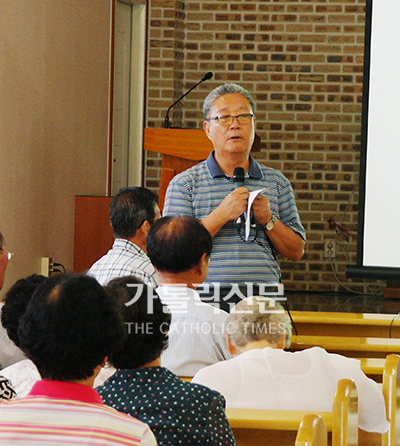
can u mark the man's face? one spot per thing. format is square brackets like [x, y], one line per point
[3, 266]
[233, 138]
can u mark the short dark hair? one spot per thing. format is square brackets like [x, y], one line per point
[16, 301]
[176, 243]
[1, 240]
[70, 326]
[146, 322]
[130, 208]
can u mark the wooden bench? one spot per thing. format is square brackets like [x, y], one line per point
[372, 367]
[350, 346]
[346, 324]
[391, 394]
[260, 427]
[268, 427]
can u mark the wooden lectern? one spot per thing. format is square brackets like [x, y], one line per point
[181, 149]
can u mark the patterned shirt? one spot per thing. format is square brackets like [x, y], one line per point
[124, 259]
[196, 335]
[178, 412]
[61, 414]
[9, 352]
[200, 189]
[7, 391]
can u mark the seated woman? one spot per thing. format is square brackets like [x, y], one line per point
[24, 374]
[177, 412]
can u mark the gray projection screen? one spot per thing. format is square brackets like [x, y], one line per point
[378, 241]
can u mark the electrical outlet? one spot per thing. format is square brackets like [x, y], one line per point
[330, 248]
[45, 266]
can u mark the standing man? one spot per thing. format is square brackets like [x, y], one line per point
[132, 212]
[207, 191]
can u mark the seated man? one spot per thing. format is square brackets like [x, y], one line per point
[70, 327]
[132, 211]
[179, 248]
[9, 352]
[264, 376]
[178, 412]
[5, 257]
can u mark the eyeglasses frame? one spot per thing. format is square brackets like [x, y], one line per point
[217, 118]
[9, 254]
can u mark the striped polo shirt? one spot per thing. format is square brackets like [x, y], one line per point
[200, 189]
[63, 414]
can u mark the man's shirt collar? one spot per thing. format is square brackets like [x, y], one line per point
[216, 172]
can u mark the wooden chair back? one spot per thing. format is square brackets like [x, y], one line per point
[266, 427]
[350, 346]
[391, 394]
[312, 431]
[345, 414]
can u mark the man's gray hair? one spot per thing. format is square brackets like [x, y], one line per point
[222, 90]
[258, 318]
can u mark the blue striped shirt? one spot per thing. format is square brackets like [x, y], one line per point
[200, 189]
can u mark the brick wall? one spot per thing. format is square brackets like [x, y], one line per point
[302, 61]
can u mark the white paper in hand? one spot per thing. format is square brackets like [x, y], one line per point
[252, 196]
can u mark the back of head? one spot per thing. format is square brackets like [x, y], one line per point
[258, 318]
[130, 208]
[146, 322]
[176, 244]
[221, 91]
[70, 326]
[16, 301]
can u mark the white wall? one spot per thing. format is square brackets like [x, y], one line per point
[54, 108]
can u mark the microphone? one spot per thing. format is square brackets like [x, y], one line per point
[207, 76]
[238, 181]
[238, 177]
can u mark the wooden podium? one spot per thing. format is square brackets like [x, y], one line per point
[180, 149]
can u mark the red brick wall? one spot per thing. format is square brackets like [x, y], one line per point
[302, 61]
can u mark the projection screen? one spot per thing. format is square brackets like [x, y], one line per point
[378, 242]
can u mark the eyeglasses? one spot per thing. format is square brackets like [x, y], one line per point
[9, 254]
[243, 119]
